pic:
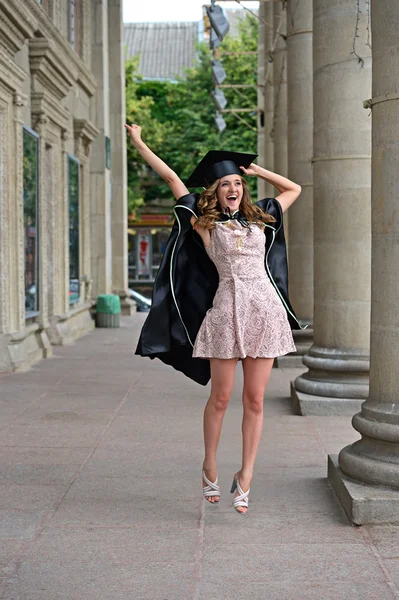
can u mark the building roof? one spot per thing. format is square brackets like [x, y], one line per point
[165, 49]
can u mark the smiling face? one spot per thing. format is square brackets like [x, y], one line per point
[229, 192]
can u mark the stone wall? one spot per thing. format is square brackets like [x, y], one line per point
[49, 87]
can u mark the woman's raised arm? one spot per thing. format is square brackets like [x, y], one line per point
[174, 182]
[289, 191]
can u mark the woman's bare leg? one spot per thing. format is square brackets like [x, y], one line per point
[222, 382]
[256, 375]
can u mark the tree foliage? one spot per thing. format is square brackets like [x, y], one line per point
[177, 118]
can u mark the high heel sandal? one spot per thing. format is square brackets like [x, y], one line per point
[211, 489]
[242, 499]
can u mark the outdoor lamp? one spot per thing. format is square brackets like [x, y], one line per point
[220, 122]
[218, 72]
[214, 41]
[218, 21]
[219, 99]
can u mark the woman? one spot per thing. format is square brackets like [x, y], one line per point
[215, 303]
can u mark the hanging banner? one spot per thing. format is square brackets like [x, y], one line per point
[144, 247]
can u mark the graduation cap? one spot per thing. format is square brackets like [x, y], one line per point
[217, 164]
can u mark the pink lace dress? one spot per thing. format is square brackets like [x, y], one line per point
[247, 317]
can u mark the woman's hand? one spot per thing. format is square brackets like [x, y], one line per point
[176, 185]
[289, 191]
[134, 132]
[251, 171]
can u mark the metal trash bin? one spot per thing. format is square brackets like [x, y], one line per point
[108, 310]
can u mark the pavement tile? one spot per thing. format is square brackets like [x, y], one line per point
[277, 528]
[317, 502]
[9, 552]
[292, 476]
[292, 452]
[295, 591]
[105, 581]
[332, 423]
[40, 466]
[324, 563]
[144, 403]
[61, 545]
[55, 428]
[26, 474]
[42, 456]
[90, 484]
[386, 539]
[8, 415]
[75, 401]
[286, 424]
[25, 497]
[20, 524]
[392, 564]
[283, 491]
[133, 524]
[156, 427]
[25, 389]
[80, 385]
[90, 507]
[335, 446]
[184, 471]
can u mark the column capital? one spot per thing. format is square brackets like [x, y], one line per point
[84, 133]
[20, 99]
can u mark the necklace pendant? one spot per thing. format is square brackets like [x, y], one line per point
[239, 243]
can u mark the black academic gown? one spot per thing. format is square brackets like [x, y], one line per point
[186, 284]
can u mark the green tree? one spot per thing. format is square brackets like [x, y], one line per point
[139, 110]
[178, 117]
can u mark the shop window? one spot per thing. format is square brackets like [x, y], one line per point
[146, 247]
[31, 220]
[74, 229]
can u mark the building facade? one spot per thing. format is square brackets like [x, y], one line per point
[63, 227]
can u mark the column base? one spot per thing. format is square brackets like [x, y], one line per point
[128, 306]
[336, 382]
[65, 329]
[364, 504]
[19, 351]
[308, 404]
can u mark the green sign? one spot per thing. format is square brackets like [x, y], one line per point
[107, 152]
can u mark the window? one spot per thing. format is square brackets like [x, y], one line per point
[31, 222]
[43, 3]
[75, 23]
[74, 229]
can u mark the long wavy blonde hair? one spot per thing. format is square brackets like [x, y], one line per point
[211, 211]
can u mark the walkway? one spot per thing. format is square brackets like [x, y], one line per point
[100, 456]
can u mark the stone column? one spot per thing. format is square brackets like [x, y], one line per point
[375, 458]
[280, 120]
[280, 90]
[269, 42]
[40, 125]
[101, 241]
[118, 156]
[261, 97]
[338, 361]
[12, 285]
[64, 218]
[16, 262]
[300, 170]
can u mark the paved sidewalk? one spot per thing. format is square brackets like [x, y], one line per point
[100, 490]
